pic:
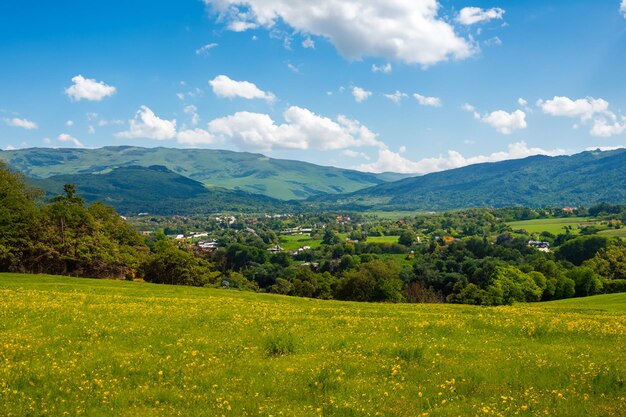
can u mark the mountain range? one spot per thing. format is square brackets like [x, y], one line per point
[184, 181]
[537, 181]
[255, 173]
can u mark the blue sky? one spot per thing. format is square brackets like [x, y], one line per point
[404, 85]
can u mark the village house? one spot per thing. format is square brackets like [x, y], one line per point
[541, 246]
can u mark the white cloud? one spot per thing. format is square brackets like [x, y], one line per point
[389, 161]
[227, 88]
[404, 30]
[193, 112]
[69, 123]
[91, 130]
[308, 43]
[385, 69]
[427, 101]
[469, 108]
[504, 122]
[472, 15]
[396, 97]
[585, 108]
[605, 122]
[88, 89]
[522, 102]
[302, 129]
[622, 8]
[9, 148]
[360, 95]
[204, 50]
[64, 137]
[194, 137]
[603, 128]
[149, 126]
[23, 123]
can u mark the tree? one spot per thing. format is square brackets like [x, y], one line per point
[407, 238]
[586, 280]
[581, 248]
[18, 221]
[330, 237]
[172, 265]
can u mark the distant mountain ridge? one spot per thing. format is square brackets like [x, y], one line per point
[157, 190]
[537, 181]
[255, 173]
[112, 175]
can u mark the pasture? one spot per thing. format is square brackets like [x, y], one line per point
[108, 348]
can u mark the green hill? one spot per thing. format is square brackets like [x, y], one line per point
[108, 348]
[255, 173]
[537, 181]
[156, 190]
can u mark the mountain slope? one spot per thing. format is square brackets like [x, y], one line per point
[156, 190]
[277, 178]
[536, 181]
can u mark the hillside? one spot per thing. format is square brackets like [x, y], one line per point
[97, 347]
[156, 190]
[255, 173]
[537, 181]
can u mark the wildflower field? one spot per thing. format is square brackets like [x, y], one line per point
[94, 347]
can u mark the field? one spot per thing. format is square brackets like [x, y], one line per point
[94, 347]
[293, 242]
[554, 226]
[382, 239]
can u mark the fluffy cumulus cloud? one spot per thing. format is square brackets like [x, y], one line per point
[302, 129]
[504, 122]
[23, 123]
[404, 30]
[622, 8]
[394, 161]
[584, 108]
[225, 87]
[604, 123]
[65, 138]
[196, 137]
[603, 127]
[360, 95]
[88, 89]
[472, 15]
[427, 101]
[147, 125]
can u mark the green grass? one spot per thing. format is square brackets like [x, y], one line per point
[92, 347]
[382, 239]
[294, 242]
[554, 226]
[395, 215]
[614, 233]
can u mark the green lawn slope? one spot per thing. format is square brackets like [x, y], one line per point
[94, 347]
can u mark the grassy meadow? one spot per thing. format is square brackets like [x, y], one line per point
[94, 347]
[554, 226]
